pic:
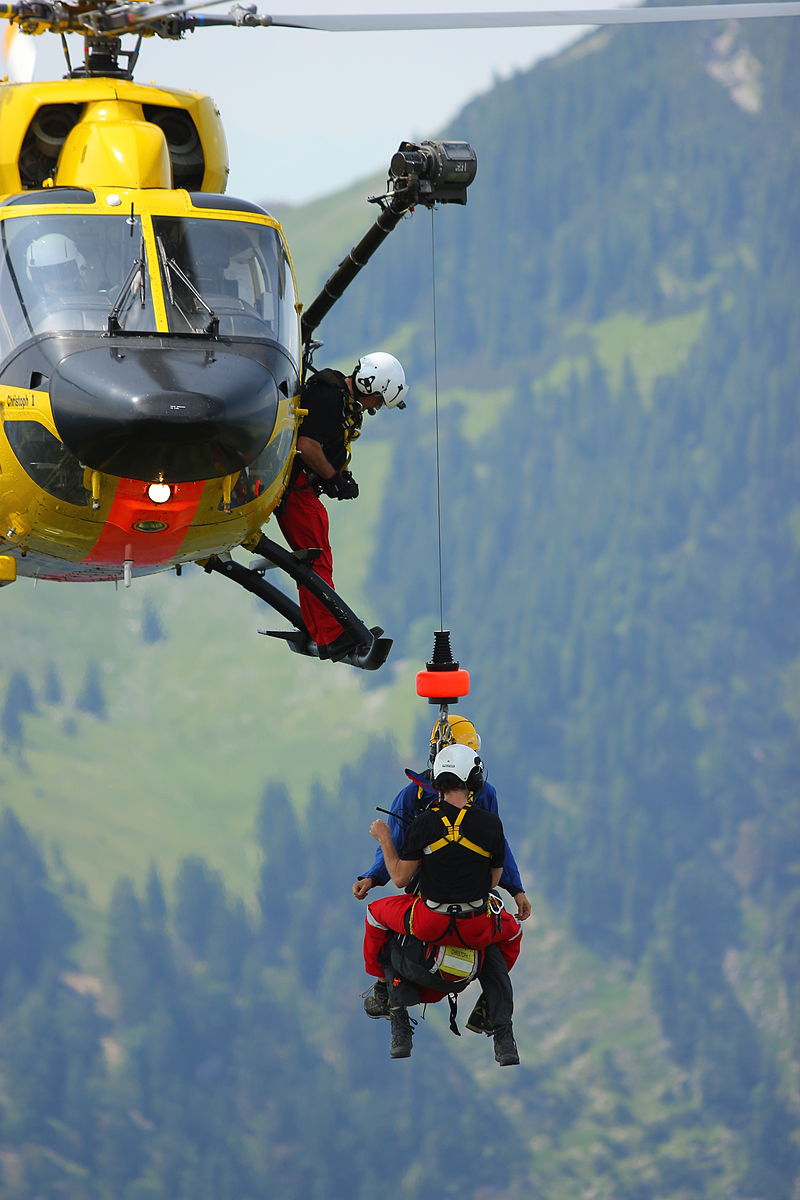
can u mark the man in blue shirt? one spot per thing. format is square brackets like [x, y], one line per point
[419, 795]
[408, 804]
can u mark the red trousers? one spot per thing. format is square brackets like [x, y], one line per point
[388, 915]
[303, 521]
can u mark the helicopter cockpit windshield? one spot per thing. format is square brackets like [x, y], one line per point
[65, 272]
[62, 272]
[235, 272]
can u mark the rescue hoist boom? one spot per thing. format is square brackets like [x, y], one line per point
[427, 173]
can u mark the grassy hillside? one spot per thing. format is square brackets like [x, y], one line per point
[197, 722]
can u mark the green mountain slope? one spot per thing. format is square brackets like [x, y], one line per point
[195, 723]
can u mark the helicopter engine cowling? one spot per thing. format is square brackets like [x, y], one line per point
[158, 411]
[114, 145]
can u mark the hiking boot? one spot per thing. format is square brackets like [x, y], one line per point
[342, 644]
[402, 1033]
[505, 1048]
[376, 1002]
[341, 647]
[479, 1017]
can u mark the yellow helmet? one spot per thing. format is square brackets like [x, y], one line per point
[454, 729]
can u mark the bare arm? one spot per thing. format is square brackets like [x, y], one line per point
[314, 458]
[401, 870]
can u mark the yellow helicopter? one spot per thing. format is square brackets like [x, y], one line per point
[152, 344]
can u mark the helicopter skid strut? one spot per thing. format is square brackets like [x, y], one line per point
[375, 647]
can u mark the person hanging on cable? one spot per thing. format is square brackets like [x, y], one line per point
[456, 851]
[408, 804]
[336, 404]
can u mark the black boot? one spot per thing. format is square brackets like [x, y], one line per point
[339, 648]
[376, 1002]
[505, 1048]
[402, 1033]
[479, 1017]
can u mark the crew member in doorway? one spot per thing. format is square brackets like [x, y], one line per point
[336, 405]
[459, 852]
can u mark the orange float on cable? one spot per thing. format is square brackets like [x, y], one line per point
[445, 681]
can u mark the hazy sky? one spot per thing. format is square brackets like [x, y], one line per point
[306, 113]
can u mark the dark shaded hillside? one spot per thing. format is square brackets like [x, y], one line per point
[625, 557]
[224, 1055]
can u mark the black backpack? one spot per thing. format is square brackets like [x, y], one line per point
[415, 964]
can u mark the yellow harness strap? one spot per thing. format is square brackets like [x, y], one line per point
[353, 416]
[453, 834]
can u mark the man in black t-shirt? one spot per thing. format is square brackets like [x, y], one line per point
[336, 404]
[459, 852]
[454, 872]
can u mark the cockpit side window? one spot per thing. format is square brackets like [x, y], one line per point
[48, 462]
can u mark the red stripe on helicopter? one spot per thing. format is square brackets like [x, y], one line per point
[143, 533]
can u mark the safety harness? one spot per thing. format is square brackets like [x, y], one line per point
[456, 910]
[444, 966]
[352, 419]
[453, 833]
[353, 416]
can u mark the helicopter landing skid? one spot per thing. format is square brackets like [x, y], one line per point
[299, 569]
[374, 658]
[370, 659]
[298, 640]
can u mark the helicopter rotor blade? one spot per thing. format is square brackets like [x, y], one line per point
[129, 16]
[170, 18]
[365, 23]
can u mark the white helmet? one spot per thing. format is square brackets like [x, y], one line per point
[54, 257]
[457, 766]
[380, 374]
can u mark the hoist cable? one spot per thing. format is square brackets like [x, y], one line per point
[454, 683]
[436, 423]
